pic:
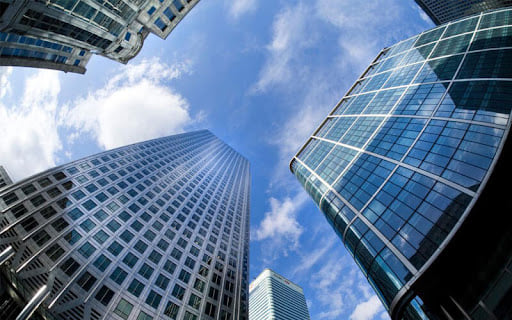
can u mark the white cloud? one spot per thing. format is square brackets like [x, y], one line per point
[28, 126]
[367, 310]
[280, 222]
[5, 84]
[237, 8]
[135, 105]
[308, 260]
[290, 35]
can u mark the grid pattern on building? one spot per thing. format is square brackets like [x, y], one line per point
[114, 29]
[397, 164]
[442, 11]
[154, 230]
[272, 297]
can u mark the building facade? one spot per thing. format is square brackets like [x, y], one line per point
[62, 34]
[5, 180]
[273, 297]
[407, 168]
[154, 230]
[442, 11]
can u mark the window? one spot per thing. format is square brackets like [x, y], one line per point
[162, 244]
[78, 194]
[72, 237]
[162, 282]
[130, 259]
[172, 310]
[194, 301]
[101, 236]
[169, 266]
[146, 271]
[123, 309]
[213, 293]
[210, 309]
[126, 236]
[144, 316]
[153, 299]
[75, 214]
[141, 246]
[112, 206]
[115, 248]
[69, 266]
[178, 291]
[86, 281]
[135, 287]
[150, 235]
[155, 257]
[184, 276]
[176, 254]
[102, 262]
[41, 238]
[118, 275]
[113, 225]
[60, 224]
[87, 225]
[86, 250]
[54, 252]
[104, 295]
[199, 285]
[100, 215]
[189, 316]
[89, 205]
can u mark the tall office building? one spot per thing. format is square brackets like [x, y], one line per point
[62, 34]
[154, 230]
[273, 297]
[412, 169]
[442, 11]
[5, 180]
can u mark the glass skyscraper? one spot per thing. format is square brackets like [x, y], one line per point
[154, 230]
[412, 168]
[62, 34]
[273, 297]
[442, 11]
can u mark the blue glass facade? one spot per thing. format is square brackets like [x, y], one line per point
[442, 11]
[154, 230]
[398, 164]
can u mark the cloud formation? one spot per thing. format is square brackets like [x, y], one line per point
[367, 310]
[238, 8]
[280, 222]
[28, 125]
[135, 105]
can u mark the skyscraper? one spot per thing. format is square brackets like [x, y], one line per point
[154, 230]
[407, 169]
[5, 180]
[273, 297]
[62, 34]
[442, 11]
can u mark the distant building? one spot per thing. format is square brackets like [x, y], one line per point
[412, 170]
[62, 34]
[5, 180]
[273, 297]
[154, 230]
[442, 11]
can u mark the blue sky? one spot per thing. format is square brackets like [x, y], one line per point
[260, 75]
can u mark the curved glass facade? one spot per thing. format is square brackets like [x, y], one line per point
[400, 161]
[154, 230]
